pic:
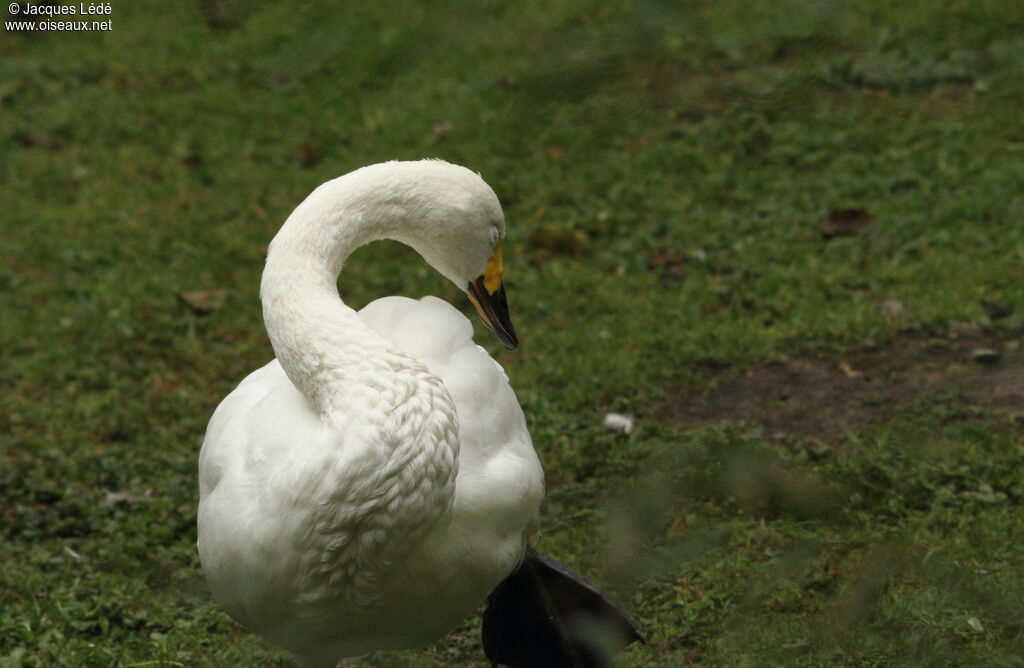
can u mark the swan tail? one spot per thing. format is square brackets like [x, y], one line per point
[546, 615]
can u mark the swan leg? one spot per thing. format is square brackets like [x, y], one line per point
[546, 615]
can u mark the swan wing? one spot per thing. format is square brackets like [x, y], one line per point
[270, 468]
[285, 515]
[500, 482]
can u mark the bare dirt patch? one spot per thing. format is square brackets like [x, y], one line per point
[825, 398]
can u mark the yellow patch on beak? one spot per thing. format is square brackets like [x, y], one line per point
[488, 297]
[492, 274]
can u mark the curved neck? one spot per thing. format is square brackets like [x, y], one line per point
[323, 345]
[394, 421]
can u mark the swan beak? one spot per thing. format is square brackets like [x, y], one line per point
[493, 310]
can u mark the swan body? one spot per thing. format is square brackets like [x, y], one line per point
[370, 487]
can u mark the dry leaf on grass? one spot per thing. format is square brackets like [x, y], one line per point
[204, 301]
[845, 222]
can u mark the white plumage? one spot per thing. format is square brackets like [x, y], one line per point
[369, 487]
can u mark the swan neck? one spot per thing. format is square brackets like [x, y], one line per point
[391, 420]
[322, 344]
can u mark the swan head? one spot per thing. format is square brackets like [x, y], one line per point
[455, 222]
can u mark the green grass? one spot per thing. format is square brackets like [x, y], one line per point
[161, 158]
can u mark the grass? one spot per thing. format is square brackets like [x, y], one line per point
[666, 170]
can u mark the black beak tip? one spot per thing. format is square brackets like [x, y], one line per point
[509, 340]
[493, 310]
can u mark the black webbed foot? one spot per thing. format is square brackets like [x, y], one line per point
[546, 615]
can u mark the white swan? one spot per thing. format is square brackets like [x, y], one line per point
[372, 485]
